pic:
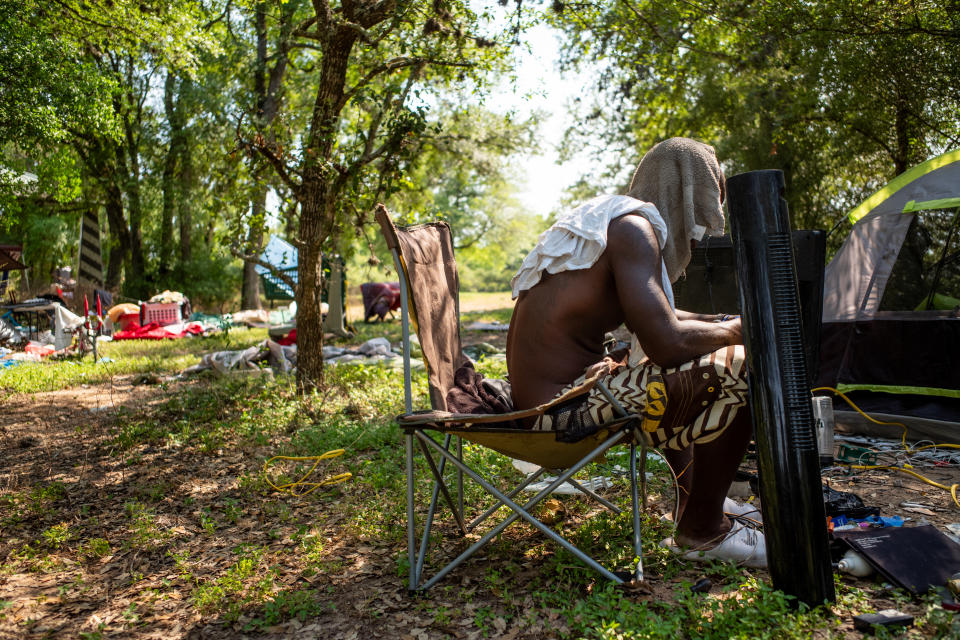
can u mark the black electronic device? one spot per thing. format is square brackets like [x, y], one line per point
[889, 618]
[787, 454]
[710, 284]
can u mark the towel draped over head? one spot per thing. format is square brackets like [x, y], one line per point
[683, 179]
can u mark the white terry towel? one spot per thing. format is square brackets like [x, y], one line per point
[683, 179]
[579, 237]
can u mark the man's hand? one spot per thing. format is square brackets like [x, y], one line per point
[735, 326]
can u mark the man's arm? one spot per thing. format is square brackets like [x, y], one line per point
[669, 340]
[704, 317]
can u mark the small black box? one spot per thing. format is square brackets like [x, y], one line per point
[889, 618]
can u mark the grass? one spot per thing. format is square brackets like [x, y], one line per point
[175, 526]
[128, 357]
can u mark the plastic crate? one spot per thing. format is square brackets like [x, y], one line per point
[163, 313]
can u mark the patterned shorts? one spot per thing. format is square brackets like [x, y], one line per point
[692, 403]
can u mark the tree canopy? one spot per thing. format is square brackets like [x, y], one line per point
[841, 96]
[193, 129]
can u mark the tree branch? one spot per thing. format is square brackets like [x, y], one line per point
[368, 156]
[263, 147]
[392, 65]
[678, 39]
[279, 167]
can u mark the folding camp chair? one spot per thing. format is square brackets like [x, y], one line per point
[429, 288]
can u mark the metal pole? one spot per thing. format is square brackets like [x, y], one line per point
[635, 505]
[411, 517]
[793, 513]
[405, 329]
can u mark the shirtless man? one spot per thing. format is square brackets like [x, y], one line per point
[691, 386]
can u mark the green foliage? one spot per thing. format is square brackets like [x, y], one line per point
[50, 88]
[57, 536]
[244, 583]
[841, 96]
[94, 548]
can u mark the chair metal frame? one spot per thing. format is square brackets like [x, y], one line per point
[623, 430]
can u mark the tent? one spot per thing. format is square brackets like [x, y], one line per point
[283, 257]
[902, 365]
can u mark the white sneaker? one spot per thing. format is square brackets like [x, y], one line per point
[733, 509]
[742, 545]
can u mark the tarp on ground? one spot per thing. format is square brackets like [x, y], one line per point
[154, 331]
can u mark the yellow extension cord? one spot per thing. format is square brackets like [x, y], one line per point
[291, 487]
[952, 489]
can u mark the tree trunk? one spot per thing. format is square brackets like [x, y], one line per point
[168, 178]
[901, 156]
[250, 298]
[118, 229]
[184, 211]
[313, 215]
[317, 208]
[128, 161]
[266, 87]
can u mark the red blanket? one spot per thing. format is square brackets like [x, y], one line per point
[289, 339]
[154, 331]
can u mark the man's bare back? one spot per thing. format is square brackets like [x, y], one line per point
[559, 322]
[557, 331]
[558, 325]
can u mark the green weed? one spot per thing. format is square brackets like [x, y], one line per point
[247, 582]
[287, 605]
[57, 536]
[146, 534]
[94, 548]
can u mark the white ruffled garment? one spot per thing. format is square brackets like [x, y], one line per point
[577, 240]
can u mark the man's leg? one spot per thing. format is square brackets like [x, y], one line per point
[702, 523]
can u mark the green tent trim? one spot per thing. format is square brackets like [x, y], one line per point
[943, 203]
[903, 180]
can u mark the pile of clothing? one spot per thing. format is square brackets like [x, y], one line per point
[379, 299]
[283, 358]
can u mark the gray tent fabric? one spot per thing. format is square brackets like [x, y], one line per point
[855, 279]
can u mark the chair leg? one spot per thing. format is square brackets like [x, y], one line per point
[431, 511]
[460, 478]
[439, 484]
[522, 512]
[635, 504]
[411, 517]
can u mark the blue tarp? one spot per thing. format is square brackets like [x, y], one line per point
[282, 255]
[279, 253]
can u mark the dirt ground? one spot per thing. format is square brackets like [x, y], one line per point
[66, 436]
